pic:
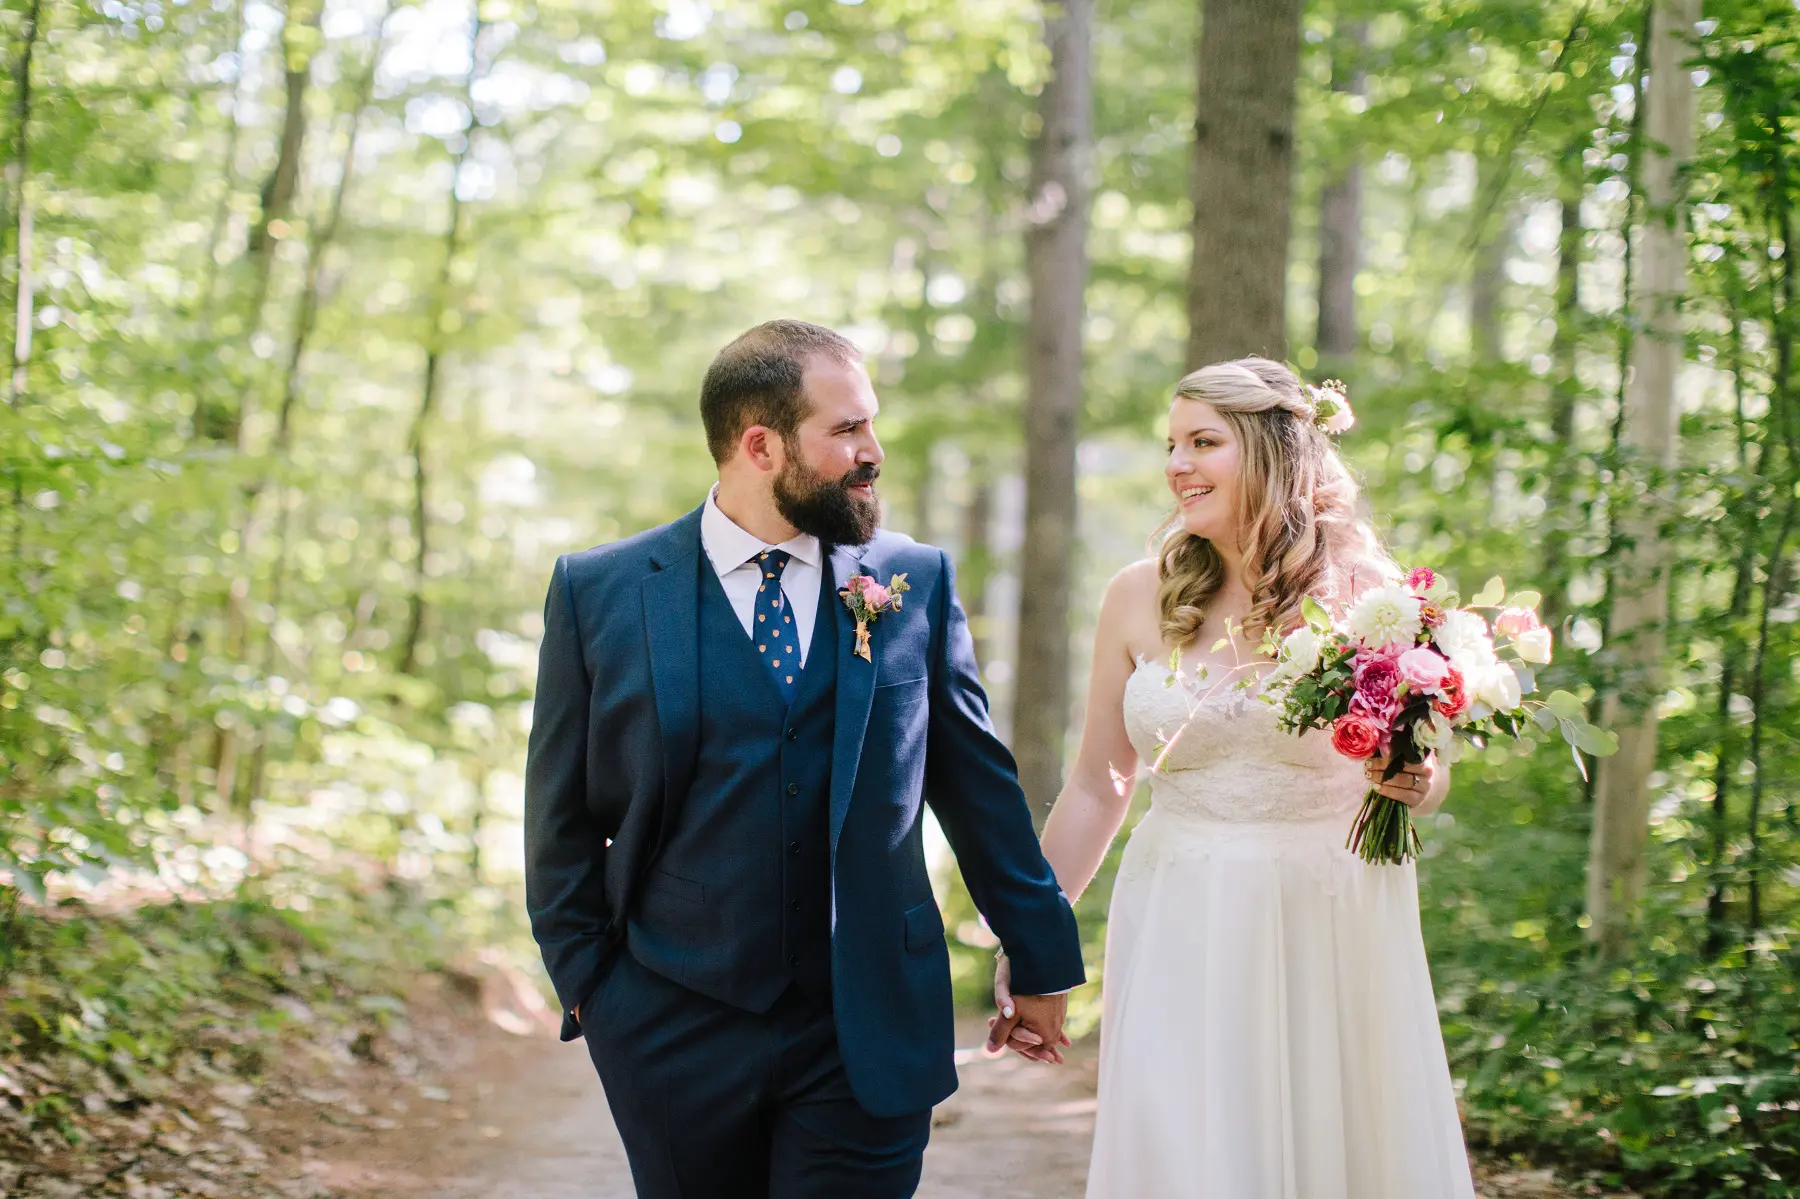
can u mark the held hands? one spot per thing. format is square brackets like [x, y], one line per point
[1411, 786]
[1031, 1025]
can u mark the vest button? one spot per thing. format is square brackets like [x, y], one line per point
[793, 905]
[793, 734]
[794, 848]
[793, 788]
[794, 960]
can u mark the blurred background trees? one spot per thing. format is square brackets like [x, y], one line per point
[331, 323]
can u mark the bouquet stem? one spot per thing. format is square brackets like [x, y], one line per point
[1383, 834]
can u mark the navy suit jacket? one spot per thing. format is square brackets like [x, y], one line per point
[612, 750]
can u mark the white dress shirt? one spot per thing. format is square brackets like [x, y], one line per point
[733, 551]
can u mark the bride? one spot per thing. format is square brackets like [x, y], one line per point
[1268, 1027]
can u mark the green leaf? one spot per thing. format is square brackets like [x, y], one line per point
[1313, 612]
[1525, 599]
[1601, 743]
[1565, 705]
[1490, 595]
[1220, 644]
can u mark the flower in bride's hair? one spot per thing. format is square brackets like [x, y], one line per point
[1385, 616]
[1331, 407]
[1422, 579]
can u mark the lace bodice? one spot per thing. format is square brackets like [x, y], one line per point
[1227, 759]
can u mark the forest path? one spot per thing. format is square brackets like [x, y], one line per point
[492, 1115]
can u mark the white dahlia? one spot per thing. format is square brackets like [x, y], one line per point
[1385, 616]
[1464, 639]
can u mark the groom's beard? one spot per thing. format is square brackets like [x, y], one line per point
[827, 508]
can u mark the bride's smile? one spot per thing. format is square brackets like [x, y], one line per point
[1202, 471]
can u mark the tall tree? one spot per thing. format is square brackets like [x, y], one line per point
[436, 345]
[1340, 222]
[1056, 254]
[1649, 452]
[18, 172]
[1565, 384]
[1243, 172]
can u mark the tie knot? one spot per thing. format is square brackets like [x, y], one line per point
[773, 562]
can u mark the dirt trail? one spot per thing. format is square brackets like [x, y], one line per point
[492, 1115]
[510, 1117]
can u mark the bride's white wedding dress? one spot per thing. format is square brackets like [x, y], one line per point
[1269, 1030]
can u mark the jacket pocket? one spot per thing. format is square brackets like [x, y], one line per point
[661, 882]
[924, 926]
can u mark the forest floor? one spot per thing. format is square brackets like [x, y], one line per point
[470, 1096]
[503, 1116]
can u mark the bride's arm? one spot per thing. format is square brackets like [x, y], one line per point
[1092, 805]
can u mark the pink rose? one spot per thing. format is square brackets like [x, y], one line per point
[1356, 735]
[1515, 622]
[874, 594]
[1377, 678]
[1422, 579]
[1423, 668]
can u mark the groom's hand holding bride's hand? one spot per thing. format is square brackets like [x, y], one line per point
[1031, 1025]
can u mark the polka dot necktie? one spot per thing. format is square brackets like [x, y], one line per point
[773, 628]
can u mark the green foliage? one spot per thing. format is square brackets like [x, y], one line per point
[219, 515]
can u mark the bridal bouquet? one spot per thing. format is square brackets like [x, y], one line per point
[1407, 670]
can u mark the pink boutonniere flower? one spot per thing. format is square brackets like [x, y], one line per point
[868, 599]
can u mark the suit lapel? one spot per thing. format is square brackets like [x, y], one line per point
[671, 596]
[855, 690]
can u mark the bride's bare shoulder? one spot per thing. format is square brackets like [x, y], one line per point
[1128, 613]
[1134, 587]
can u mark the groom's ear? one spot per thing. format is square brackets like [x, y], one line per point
[761, 446]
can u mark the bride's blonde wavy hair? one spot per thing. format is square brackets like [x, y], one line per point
[1297, 508]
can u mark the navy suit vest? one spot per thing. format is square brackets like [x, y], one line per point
[737, 906]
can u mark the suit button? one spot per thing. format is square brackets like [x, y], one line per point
[794, 961]
[793, 905]
[794, 848]
[793, 734]
[793, 788]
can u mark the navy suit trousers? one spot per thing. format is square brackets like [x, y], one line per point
[714, 1102]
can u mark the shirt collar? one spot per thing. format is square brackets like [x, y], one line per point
[729, 545]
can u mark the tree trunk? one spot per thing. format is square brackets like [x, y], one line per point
[1616, 867]
[1340, 231]
[299, 41]
[432, 380]
[18, 181]
[1487, 280]
[1565, 390]
[225, 427]
[977, 565]
[1243, 172]
[1056, 253]
[1779, 213]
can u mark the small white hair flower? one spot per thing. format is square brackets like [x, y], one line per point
[1331, 407]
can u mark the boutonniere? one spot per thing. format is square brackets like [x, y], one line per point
[868, 599]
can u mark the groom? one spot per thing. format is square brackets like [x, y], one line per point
[724, 801]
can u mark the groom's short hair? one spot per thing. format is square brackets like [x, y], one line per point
[756, 381]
